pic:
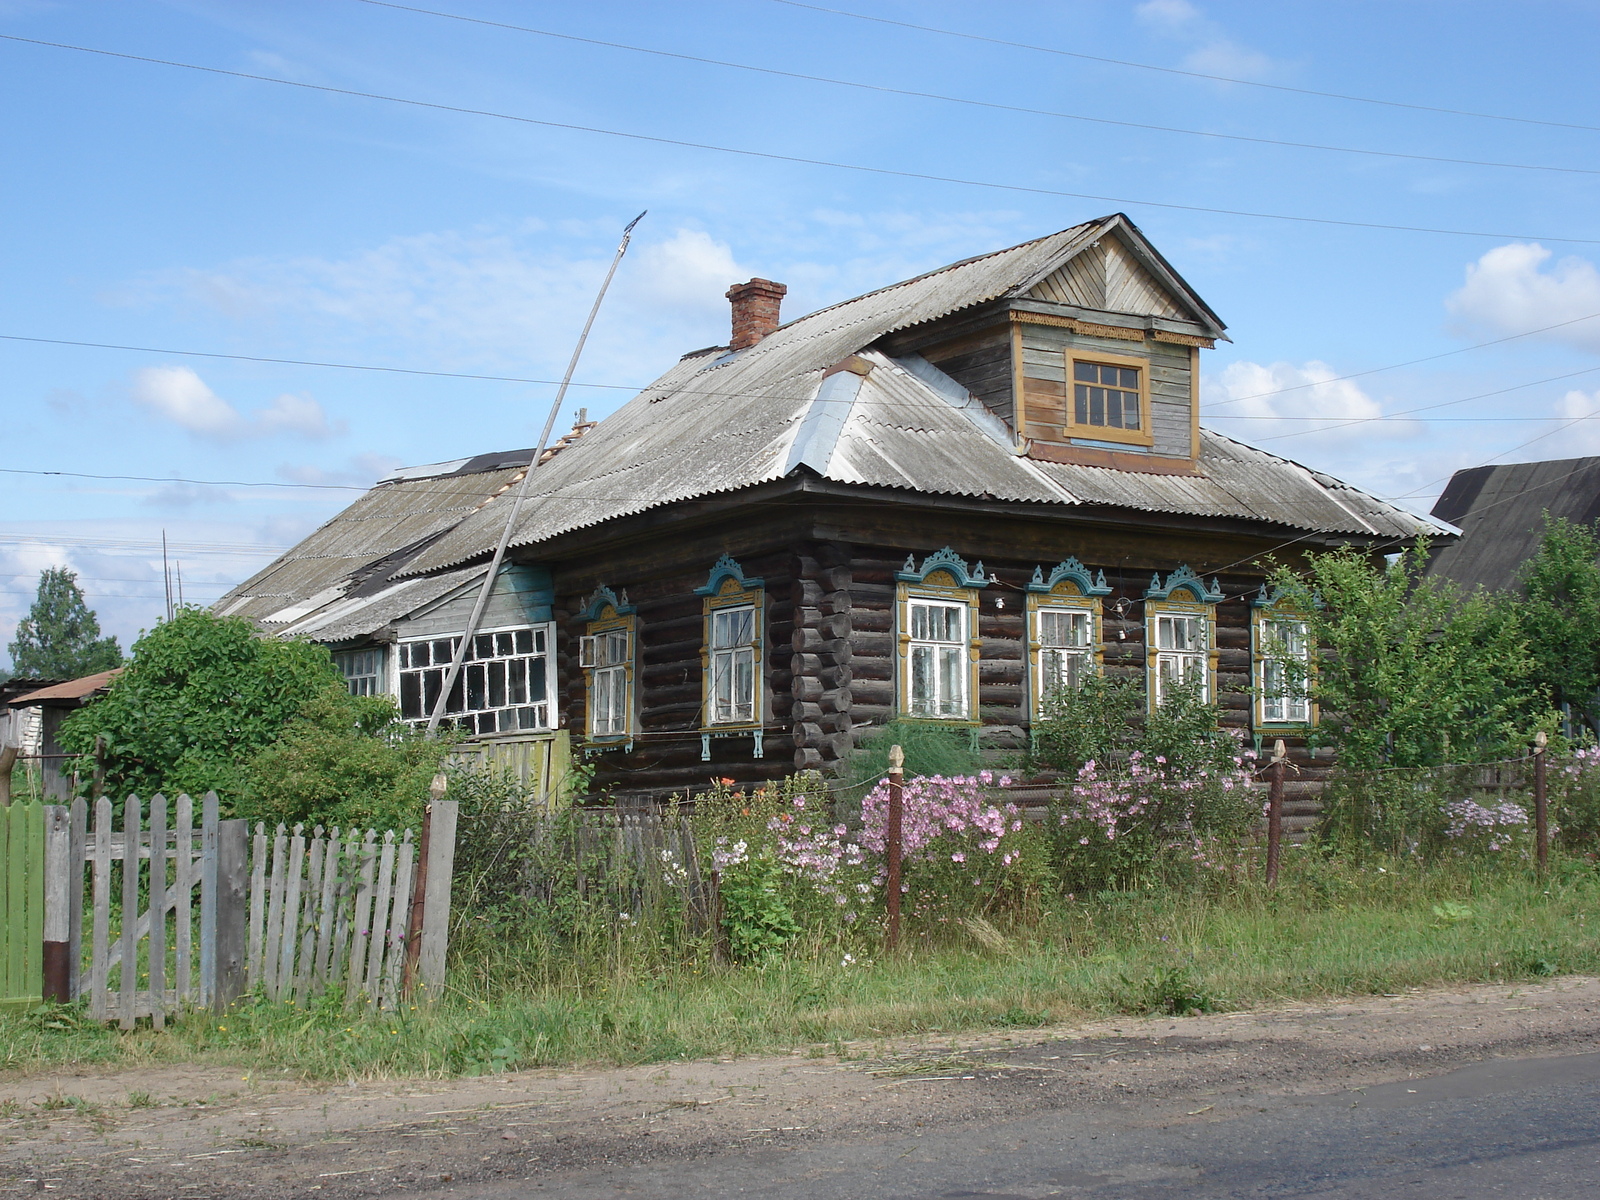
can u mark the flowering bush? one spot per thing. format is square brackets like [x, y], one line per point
[1575, 798]
[962, 850]
[1112, 828]
[1498, 829]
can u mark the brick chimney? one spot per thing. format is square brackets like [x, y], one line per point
[755, 310]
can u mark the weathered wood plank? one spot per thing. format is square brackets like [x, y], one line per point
[256, 950]
[182, 916]
[130, 910]
[100, 953]
[158, 907]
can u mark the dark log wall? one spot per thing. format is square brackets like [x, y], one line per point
[981, 363]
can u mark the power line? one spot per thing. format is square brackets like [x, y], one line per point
[1396, 366]
[801, 160]
[151, 546]
[1255, 83]
[987, 104]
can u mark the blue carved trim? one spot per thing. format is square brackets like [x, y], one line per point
[943, 560]
[1264, 600]
[602, 598]
[1074, 570]
[1184, 578]
[727, 568]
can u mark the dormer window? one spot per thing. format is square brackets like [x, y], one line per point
[1110, 398]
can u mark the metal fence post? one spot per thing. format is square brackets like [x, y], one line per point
[891, 841]
[1275, 813]
[1541, 802]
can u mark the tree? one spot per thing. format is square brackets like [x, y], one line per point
[1414, 671]
[201, 696]
[1562, 617]
[60, 637]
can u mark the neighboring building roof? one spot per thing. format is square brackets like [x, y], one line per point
[72, 690]
[1500, 512]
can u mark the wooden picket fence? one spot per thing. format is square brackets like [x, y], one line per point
[21, 903]
[180, 915]
[331, 911]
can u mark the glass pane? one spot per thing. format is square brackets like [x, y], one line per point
[414, 656]
[1114, 409]
[950, 625]
[744, 686]
[497, 684]
[411, 697]
[1097, 406]
[1130, 411]
[538, 680]
[722, 687]
[1088, 372]
[475, 690]
[431, 683]
[922, 681]
[444, 650]
[951, 689]
[483, 645]
[1080, 404]
[1129, 378]
[505, 644]
[453, 704]
[524, 641]
[921, 622]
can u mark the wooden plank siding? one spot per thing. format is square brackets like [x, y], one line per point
[981, 363]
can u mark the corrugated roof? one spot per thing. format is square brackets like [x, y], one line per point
[73, 689]
[1500, 511]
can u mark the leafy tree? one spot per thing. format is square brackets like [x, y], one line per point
[1415, 672]
[1561, 617]
[1104, 721]
[201, 697]
[60, 637]
[345, 760]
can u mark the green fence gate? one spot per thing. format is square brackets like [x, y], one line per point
[21, 904]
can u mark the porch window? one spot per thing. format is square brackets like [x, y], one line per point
[938, 655]
[504, 684]
[733, 665]
[362, 671]
[1284, 668]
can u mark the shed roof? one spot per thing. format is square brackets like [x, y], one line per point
[1500, 512]
[72, 690]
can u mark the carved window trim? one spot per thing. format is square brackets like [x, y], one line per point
[727, 590]
[1070, 589]
[945, 582]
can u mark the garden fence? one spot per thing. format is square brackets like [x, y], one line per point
[178, 916]
[21, 902]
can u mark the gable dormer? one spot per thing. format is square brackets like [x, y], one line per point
[1093, 359]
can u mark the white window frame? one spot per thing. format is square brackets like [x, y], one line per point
[363, 670]
[1285, 700]
[479, 677]
[1174, 662]
[1058, 662]
[734, 685]
[608, 657]
[948, 695]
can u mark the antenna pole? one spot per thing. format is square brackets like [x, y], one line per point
[493, 573]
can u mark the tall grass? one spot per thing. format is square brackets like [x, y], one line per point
[1329, 930]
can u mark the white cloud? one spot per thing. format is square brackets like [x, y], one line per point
[1515, 288]
[363, 470]
[1580, 438]
[179, 395]
[1282, 390]
[1214, 53]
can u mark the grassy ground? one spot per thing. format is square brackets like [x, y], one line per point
[1328, 930]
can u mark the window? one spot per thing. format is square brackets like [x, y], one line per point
[503, 686]
[1105, 395]
[1108, 398]
[1180, 638]
[937, 611]
[734, 607]
[1181, 654]
[362, 671]
[733, 665]
[606, 655]
[938, 659]
[1065, 651]
[1283, 663]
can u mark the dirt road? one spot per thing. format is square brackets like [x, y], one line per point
[210, 1132]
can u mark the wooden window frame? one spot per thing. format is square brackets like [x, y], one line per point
[944, 579]
[463, 680]
[378, 656]
[607, 614]
[1143, 436]
[1264, 612]
[729, 588]
[1182, 595]
[1070, 588]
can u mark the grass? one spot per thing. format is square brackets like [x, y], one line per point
[1329, 930]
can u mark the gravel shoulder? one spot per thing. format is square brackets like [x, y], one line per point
[204, 1132]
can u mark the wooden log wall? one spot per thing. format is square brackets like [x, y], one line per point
[822, 660]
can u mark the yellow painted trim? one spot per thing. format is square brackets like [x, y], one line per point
[1143, 436]
[1019, 387]
[731, 595]
[931, 589]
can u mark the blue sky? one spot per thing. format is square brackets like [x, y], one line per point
[149, 205]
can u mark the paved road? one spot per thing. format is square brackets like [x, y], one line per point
[1523, 1128]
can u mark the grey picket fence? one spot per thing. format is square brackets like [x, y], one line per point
[181, 915]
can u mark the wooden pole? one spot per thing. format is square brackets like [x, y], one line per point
[419, 889]
[231, 898]
[8, 760]
[1541, 802]
[891, 841]
[1275, 813]
[58, 883]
